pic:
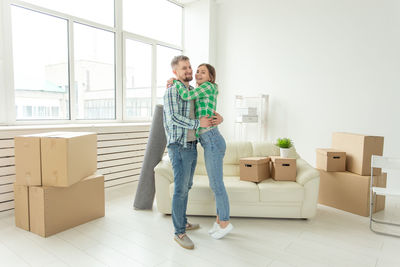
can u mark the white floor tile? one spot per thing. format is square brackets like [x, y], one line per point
[16, 240]
[129, 237]
[111, 257]
[10, 259]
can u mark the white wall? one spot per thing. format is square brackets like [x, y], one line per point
[331, 65]
[196, 32]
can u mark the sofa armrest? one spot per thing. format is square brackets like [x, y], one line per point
[164, 168]
[164, 177]
[305, 172]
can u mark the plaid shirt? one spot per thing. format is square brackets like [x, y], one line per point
[176, 117]
[205, 96]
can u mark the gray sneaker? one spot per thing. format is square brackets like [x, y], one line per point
[192, 226]
[184, 241]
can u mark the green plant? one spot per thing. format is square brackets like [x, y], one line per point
[284, 143]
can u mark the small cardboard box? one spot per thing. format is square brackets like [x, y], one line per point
[21, 206]
[283, 169]
[331, 160]
[350, 192]
[359, 149]
[55, 209]
[68, 158]
[254, 169]
[28, 158]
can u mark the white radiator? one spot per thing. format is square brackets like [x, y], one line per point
[120, 152]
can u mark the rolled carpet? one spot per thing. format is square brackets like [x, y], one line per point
[154, 151]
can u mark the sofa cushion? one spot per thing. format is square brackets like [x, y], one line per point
[234, 151]
[228, 169]
[282, 191]
[264, 149]
[238, 191]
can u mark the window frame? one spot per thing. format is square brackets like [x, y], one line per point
[153, 43]
[7, 93]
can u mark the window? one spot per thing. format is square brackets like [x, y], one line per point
[94, 72]
[138, 58]
[164, 71]
[77, 60]
[99, 108]
[40, 54]
[102, 13]
[158, 19]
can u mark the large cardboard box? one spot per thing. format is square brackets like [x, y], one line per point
[28, 159]
[68, 158]
[55, 209]
[331, 160]
[359, 149]
[349, 191]
[21, 206]
[254, 169]
[283, 169]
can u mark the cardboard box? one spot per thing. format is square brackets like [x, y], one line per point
[283, 169]
[68, 158]
[55, 209]
[331, 160]
[359, 149]
[349, 191]
[254, 169]
[28, 158]
[21, 206]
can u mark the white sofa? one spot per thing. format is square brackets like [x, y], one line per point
[269, 198]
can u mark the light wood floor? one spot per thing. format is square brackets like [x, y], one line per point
[126, 237]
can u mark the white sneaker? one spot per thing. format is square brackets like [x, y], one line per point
[214, 228]
[221, 232]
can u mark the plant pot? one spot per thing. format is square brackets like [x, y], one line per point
[284, 152]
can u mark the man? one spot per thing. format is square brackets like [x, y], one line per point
[180, 126]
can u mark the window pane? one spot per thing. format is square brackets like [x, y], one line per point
[40, 53]
[94, 73]
[94, 10]
[158, 19]
[138, 79]
[164, 71]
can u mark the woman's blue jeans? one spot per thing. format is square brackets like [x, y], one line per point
[214, 151]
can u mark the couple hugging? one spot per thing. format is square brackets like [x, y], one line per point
[190, 116]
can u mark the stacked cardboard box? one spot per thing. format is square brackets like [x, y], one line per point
[254, 169]
[257, 169]
[346, 185]
[56, 184]
[283, 169]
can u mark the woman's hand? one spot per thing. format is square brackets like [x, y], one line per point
[170, 82]
[217, 119]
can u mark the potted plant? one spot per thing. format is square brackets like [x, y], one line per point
[284, 145]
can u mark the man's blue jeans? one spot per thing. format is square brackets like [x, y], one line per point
[214, 151]
[183, 164]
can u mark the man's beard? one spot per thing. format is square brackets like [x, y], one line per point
[187, 79]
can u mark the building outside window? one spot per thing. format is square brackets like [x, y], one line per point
[66, 57]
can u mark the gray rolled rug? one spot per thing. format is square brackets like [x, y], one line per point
[154, 151]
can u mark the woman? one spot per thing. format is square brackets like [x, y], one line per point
[205, 96]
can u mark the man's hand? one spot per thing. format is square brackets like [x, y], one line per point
[205, 122]
[216, 119]
[170, 82]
